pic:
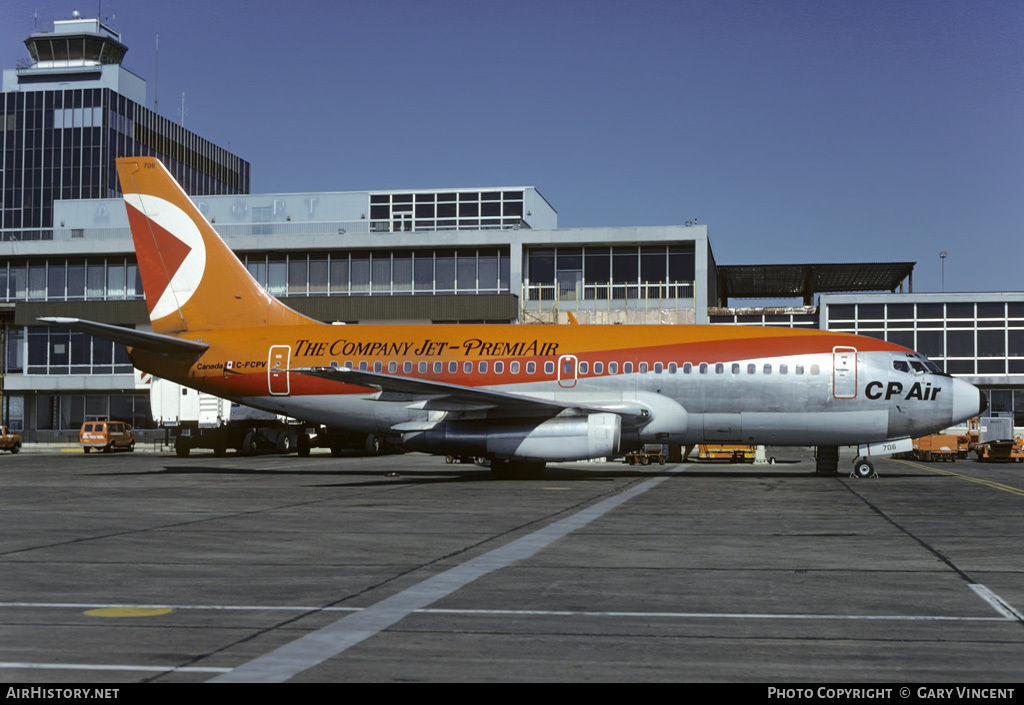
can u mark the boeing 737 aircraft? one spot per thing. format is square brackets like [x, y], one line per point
[519, 395]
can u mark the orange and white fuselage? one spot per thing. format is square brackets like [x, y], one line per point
[511, 393]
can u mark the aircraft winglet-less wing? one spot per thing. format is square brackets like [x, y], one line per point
[518, 395]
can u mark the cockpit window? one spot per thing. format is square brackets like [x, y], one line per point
[900, 366]
[929, 365]
[918, 366]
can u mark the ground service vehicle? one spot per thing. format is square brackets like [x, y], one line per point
[520, 395]
[9, 441]
[101, 434]
[733, 452]
[200, 420]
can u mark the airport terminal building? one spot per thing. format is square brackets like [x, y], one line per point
[454, 255]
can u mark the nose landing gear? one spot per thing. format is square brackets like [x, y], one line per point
[863, 469]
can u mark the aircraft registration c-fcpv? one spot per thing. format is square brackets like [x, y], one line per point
[518, 395]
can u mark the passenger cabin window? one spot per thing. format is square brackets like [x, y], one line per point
[751, 369]
[768, 369]
[362, 365]
[783, 369]
[815, 369]
[687, 368]
[513, 367]
[499, 367]
[422, 367]
[642, 368]
[799, 369]
[453, 367]
[531, 367]
[672, 367]
[598, 368]
[627, 368]
[406, 367]
[438, 368]
[735, 368]
[467, 367]
[584, 367]
[703, 368]
[482, 367]
[613, 368]
[378, 366]
[658, 368]
[719, 368]
[392, 367]
[549, 367]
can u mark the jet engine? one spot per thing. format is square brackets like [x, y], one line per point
[560, 438]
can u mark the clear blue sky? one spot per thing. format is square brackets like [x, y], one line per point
[797, 131]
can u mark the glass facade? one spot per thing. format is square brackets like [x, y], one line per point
[452, 210]
[982, 337]
[113, 278]
[784, 318]
[464, 270]
[610, 272]
[58, 144]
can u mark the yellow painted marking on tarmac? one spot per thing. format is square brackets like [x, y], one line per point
[988, 483]
[128, 611]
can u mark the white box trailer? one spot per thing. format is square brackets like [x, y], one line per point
[200, 420]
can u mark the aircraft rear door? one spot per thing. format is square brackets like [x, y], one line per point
[567, 368]
[277, 369]
[844, 372]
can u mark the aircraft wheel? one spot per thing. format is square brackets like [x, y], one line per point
[303, 445]
[15, 449]
[863, 469]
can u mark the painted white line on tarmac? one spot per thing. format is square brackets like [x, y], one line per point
[108, 667]
[998, 604]
[1008, 613]
[315, 648]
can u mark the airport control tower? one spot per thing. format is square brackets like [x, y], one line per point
[70, 112]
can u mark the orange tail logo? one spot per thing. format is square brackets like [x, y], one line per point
[191, 278]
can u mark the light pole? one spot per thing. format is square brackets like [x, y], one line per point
[942, 257]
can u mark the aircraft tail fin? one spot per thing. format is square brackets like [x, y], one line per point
[192, 279]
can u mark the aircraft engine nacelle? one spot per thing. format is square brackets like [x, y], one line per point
[563, 438]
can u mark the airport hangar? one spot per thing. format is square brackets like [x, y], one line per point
[491, 254]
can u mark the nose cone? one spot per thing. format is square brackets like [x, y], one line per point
[968, 401]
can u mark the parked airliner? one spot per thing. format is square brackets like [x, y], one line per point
[518, 395]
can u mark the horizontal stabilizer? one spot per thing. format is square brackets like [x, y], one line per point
[164, 344]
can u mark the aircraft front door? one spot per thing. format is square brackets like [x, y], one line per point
[844, 372]
[277, 369]
[567, 367]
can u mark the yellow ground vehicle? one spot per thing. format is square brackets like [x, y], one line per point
[937, 447]
[1011, 450]
[9, 441]
[106, 436]
[734, 453]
